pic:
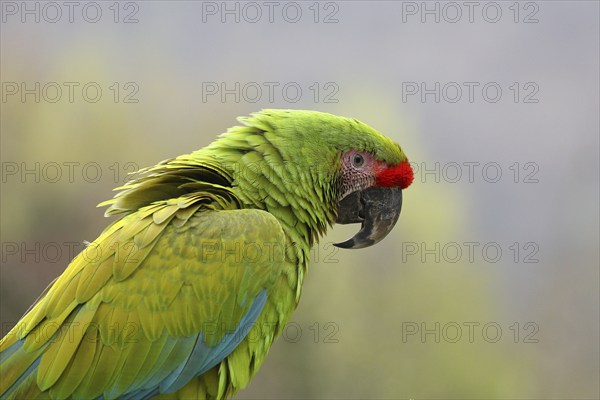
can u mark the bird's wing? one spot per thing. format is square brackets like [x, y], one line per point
[163, 295]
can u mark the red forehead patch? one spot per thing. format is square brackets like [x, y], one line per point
[400, 175]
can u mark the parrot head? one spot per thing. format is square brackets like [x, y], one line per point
[335, 169]
[372, 195]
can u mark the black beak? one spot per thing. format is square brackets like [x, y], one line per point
[376, 208]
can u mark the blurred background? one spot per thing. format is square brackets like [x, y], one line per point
[489, 285]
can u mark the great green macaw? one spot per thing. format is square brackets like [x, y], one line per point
[210, 246]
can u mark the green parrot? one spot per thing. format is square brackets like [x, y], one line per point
[182, 297]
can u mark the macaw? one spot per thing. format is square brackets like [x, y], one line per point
[183, 295]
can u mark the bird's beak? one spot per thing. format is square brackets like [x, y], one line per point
[376, 208]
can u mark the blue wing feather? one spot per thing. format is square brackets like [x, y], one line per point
[203, 357]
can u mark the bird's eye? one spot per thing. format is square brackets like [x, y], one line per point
[358, 160]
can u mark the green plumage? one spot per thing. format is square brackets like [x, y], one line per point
[201, 239]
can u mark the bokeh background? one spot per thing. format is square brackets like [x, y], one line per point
[434, 311]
